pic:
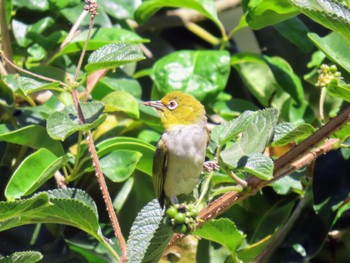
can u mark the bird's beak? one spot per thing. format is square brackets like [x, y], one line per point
[155, 104]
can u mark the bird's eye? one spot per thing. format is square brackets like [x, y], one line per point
[172, 105]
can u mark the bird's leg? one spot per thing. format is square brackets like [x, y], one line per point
[210, 166]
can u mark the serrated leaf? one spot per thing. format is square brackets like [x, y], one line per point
[203, 74]
[149, 8]
[34, 171]
[257, 164]
[339, 89]
[132, 144]
[288, 132]
[29, 85]
[63, 123]
[254, 139]
[119, 165]
[286, 78]
[334, 46]
[100, 37]
[113, 55]
[22, 257]
[256, 75]
[221, 134]
[33, 136]
[148, 237]
[262, 13]
[222, 231]
[122, 101]
[331, 14]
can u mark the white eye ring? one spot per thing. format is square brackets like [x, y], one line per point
[172, 105]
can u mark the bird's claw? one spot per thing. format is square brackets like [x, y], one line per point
[211, 166]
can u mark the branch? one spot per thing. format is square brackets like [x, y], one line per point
[178, 17]
[5, 37]
[296, 158]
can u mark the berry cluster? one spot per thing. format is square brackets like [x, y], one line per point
[182, 217]
[327, 74]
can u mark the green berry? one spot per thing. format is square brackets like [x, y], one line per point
[193, 212]
[333, 68]
[180, 218]
[171, 212]
[182, 228]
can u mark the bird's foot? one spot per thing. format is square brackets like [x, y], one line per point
[211, 166]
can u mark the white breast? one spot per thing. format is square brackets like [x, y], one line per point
[186, 146]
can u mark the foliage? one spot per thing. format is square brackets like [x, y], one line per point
[262, 102]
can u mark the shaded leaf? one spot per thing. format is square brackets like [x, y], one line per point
[148, 236]
[33, 136]
[222, 231]
[257, 164]
[119, 165]
[334, 46]
[34, 171]
[29, 85]
[256, 75]
[22, 257]
[262, 13]
[254, 139]
[132, 144]
[286, 78]
[339, 89]
[150, 7]
[63, 123]
[113, 55]
[288, 132]
[331, 14]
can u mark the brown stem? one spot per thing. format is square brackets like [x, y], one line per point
[5, 37]
[296, 158]
[91, 145]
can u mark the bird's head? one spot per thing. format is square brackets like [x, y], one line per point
[178, 108]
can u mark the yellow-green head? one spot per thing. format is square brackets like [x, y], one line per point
[178, 108]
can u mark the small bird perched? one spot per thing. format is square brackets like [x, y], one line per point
[180, 152]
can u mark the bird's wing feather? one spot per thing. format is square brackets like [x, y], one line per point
[159, 170]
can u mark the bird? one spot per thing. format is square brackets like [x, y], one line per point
[181, 150]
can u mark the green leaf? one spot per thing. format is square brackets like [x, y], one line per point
[334, 46]
[256, 75]
[221, 134]
[116, 81]
[288, 132]
[262, 13]
[118, 9]
[123, 194]
[22, 257]
[150, 7]
[148, 236]
[331, 14]
[254, 139]
[100, 37]
[257, 164]
[29, 85]
[41, 5]
[34, 171]
[119, 165]
[122, 101]
[203, 74]
[112, 56]
[286, 78]
[132, 144]
[6, 93]
[33, 136]
[339, 89]
[295, 31]
[63, 123]
[222, 231]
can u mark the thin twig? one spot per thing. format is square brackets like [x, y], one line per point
[91, 145]
[296, 158]
[2, 56]
[73, 31]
